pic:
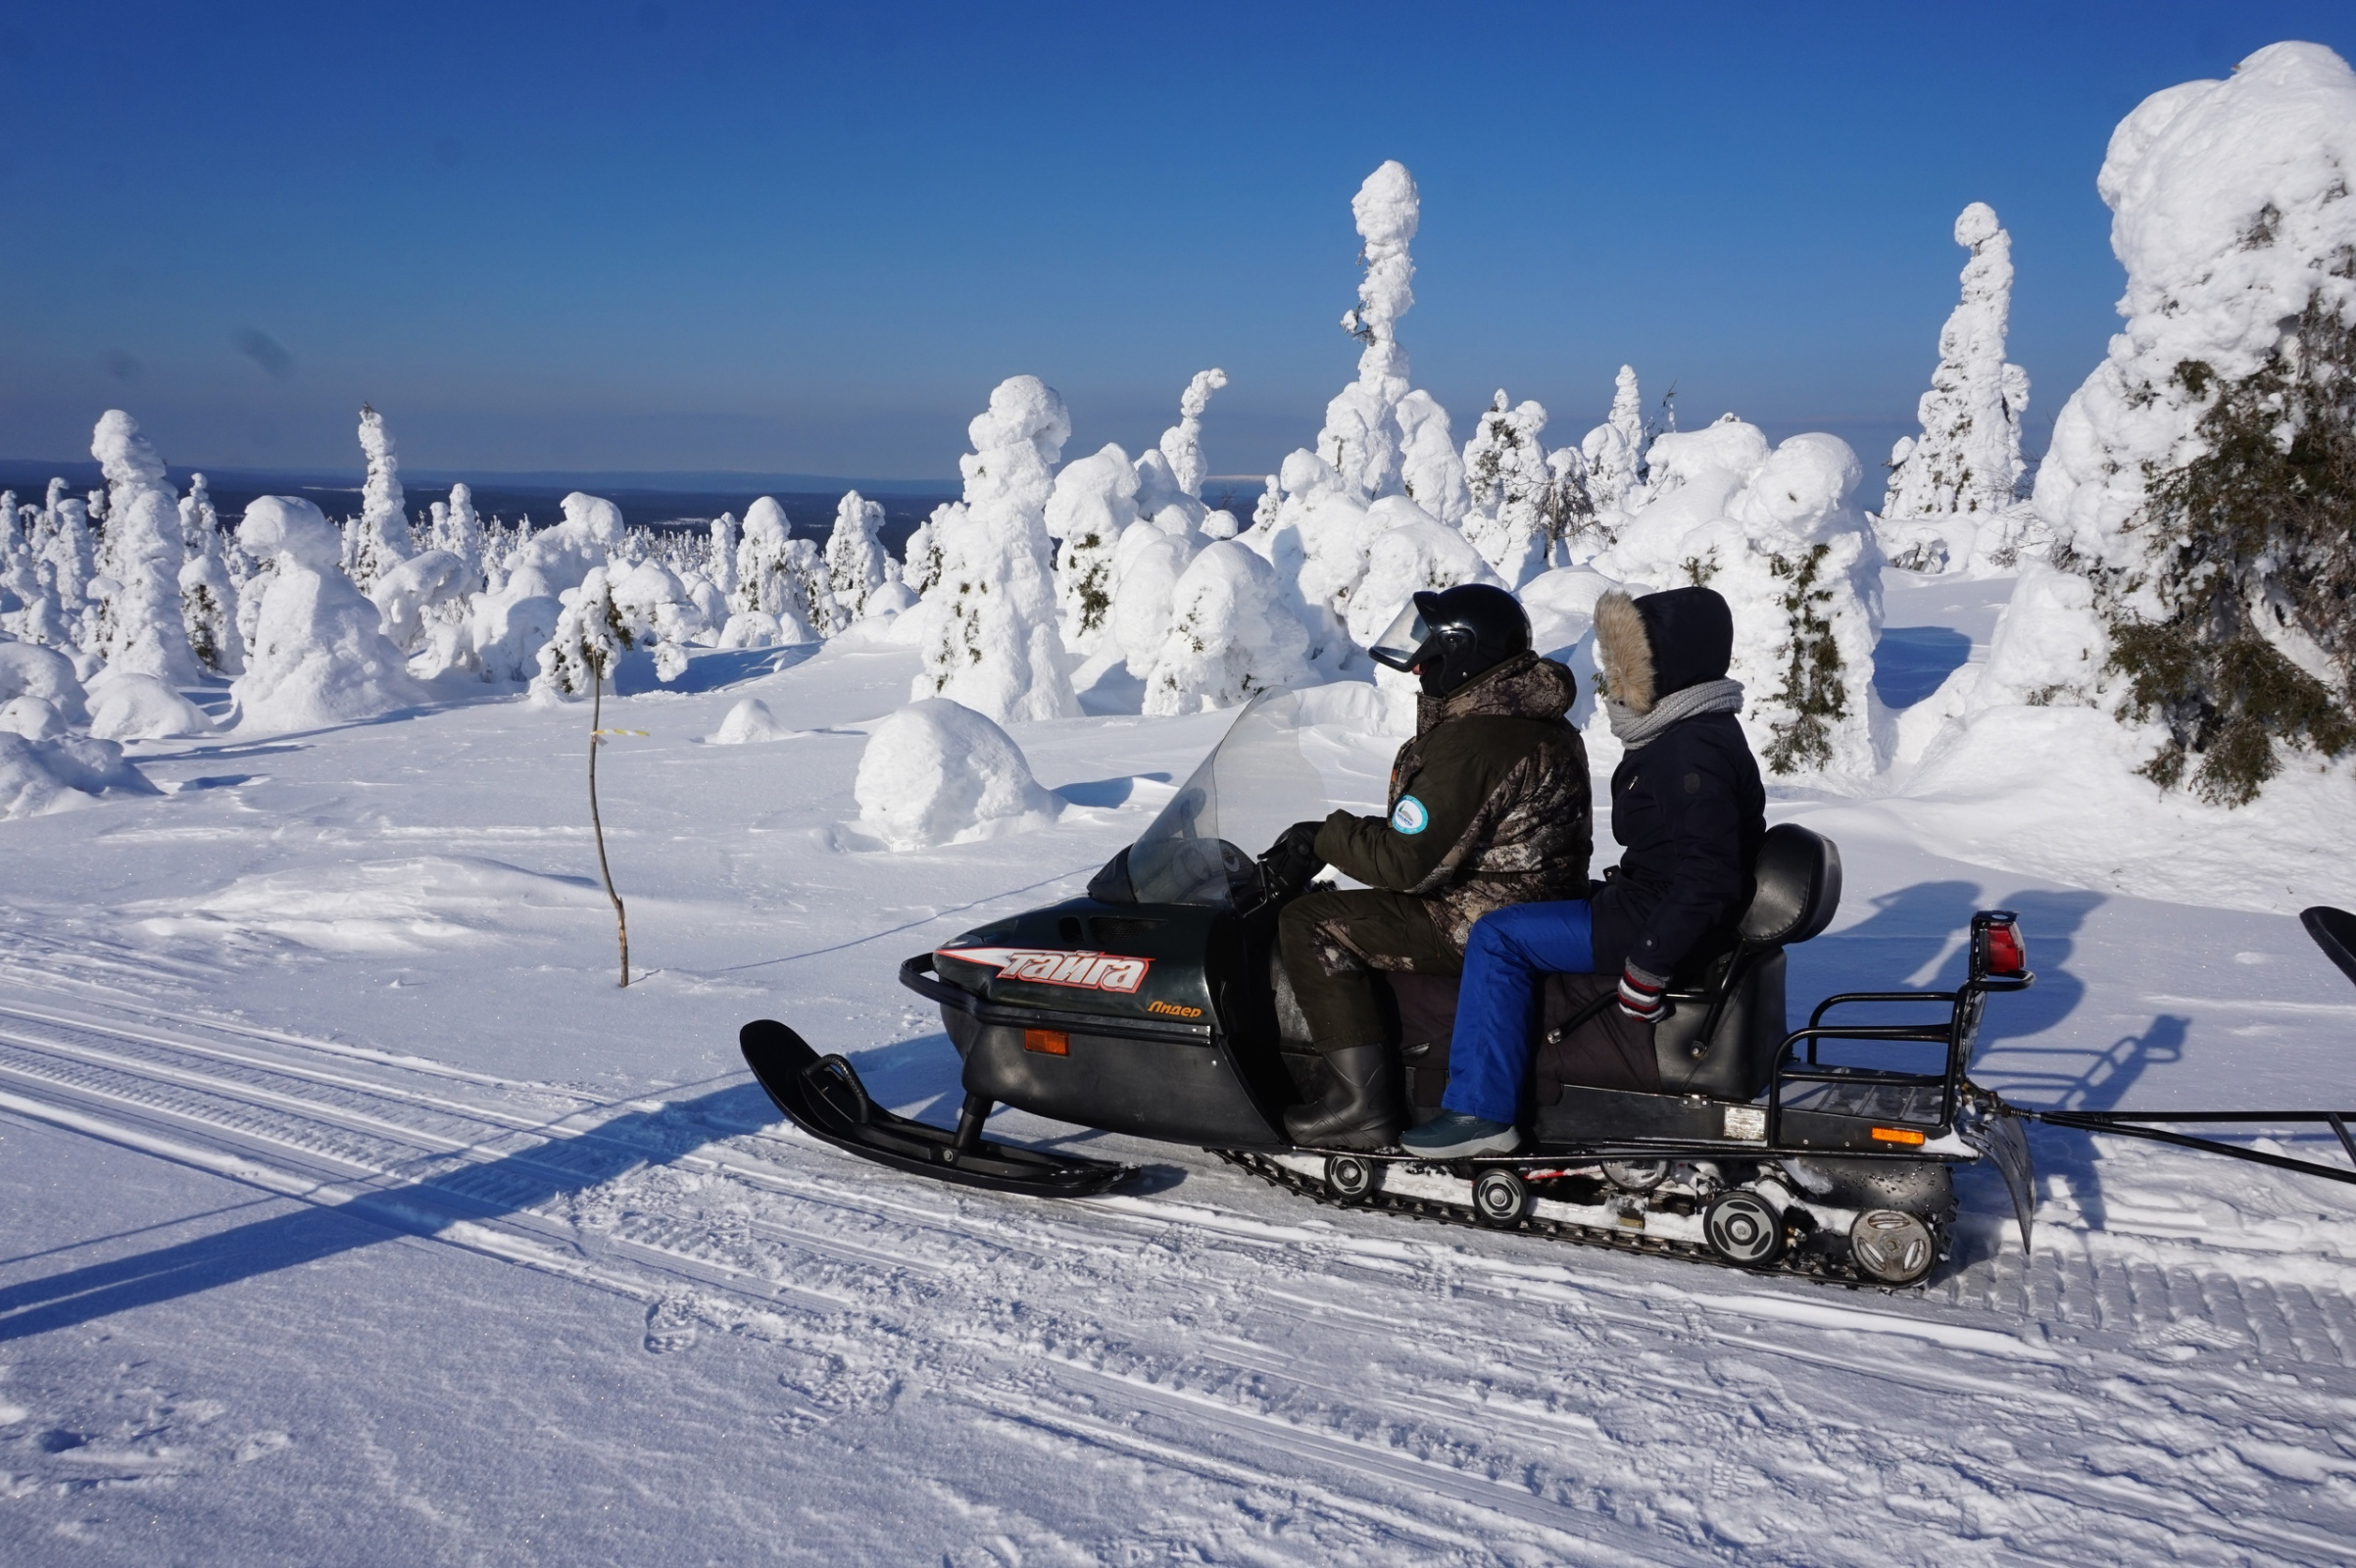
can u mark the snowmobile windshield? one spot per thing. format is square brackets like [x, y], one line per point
[1255, 784]
[1403, 640]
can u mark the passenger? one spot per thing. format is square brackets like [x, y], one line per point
[1489, 806]
[1688, 811]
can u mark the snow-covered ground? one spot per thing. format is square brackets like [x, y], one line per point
[356, 1215]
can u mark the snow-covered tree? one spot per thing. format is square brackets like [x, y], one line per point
[141, 626]
[992, 643]
[1231, 635]
[1382, 436]
[1614, 451]
[458, 530]
[1513, 501]
[720, 559]
[1182, 443]
[208, 591]
[857, 562]
[782, 590]
[1092, 506]
[589, 640]
[385, 539]
[1963, 470]
[1776, 533]
[317, 655]
[658, 611]
[2197, 480]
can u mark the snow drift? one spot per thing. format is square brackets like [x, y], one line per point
[936, 772]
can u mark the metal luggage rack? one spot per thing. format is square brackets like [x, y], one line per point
[1999, 963]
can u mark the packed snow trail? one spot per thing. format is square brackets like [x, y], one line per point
[1519, 1401]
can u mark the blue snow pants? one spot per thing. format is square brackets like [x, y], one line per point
[1497, 1006]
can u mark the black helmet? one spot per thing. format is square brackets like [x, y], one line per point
[1449, 638]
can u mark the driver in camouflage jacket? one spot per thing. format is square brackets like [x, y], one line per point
[1489, 804]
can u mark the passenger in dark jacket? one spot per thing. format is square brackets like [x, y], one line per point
[1688, 811]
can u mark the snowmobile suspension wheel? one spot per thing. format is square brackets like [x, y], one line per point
[1743, 1228]
[1350, 1178]
[1636, 1175]
[1892, 1248]
[1501, 1197]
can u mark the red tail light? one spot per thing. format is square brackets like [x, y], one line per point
[2002, 949]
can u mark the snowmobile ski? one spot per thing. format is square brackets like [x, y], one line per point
[824, 1097]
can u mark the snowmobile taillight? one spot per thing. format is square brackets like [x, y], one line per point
[1898, 1135]
[1046, 1042]
[1998, 949]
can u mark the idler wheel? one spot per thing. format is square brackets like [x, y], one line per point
[1892, 1248]
[1501, 1197]
[1636, 1175]
[1743, 1228]
[1351, 1179]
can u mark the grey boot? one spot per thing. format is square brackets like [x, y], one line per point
[1360, 1108]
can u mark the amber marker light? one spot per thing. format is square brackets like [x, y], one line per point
[1056, 1043]
[1897, 1135]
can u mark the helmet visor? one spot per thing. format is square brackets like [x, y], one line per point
[1403, 640]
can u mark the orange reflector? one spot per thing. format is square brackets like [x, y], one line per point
[1056, 1043]
[1897, 1135]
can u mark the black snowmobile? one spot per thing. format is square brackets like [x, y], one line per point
[1156, 1006]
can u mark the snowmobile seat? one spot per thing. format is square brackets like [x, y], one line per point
[1726, 1022]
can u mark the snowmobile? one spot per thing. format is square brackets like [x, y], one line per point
[1156, 1006]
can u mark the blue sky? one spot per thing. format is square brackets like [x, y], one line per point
[681, 236]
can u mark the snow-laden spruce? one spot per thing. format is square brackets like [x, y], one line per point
[590, 638]
[1613, 454]
[207, 587]
[782, 590]
[1092, 506]
[1952, 503]
[857, 566]
[141, 626]
[2210, 615]
[1514, 520]
[991, 638]
[1130, 533]
[1776, 533]
[319, 654]
[936, 772]
[498, 639]
[1230, 635]
[1381, 437]
[384, 540]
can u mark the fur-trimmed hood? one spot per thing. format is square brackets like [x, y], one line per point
[1662, 643]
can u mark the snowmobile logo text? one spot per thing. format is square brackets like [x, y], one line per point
[1086, 972]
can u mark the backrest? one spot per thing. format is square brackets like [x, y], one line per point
[1733, 1064]
[1797, 887]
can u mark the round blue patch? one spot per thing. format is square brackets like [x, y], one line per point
[1409, 816]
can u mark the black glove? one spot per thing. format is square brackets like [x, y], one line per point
[1293, 859]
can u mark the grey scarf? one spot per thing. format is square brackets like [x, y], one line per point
[1637, 729]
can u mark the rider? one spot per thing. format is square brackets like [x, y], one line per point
[1489, 806]
[1688, 811]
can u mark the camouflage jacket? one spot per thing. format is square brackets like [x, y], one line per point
[1490, 802]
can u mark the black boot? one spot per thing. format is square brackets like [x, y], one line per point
[1360, 1108]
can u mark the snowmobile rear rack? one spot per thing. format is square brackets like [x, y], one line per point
[823, 1097]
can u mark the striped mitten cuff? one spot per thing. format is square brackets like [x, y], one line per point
[1641, 994]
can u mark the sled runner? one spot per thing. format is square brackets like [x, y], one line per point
[1156, 1006]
